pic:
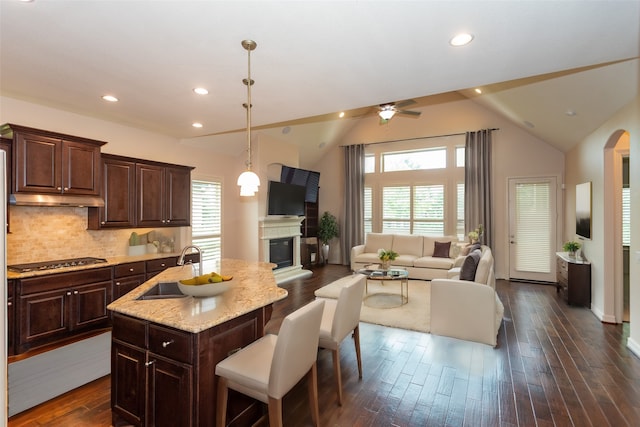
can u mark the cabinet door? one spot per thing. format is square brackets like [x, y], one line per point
[128, 382]
[118, 189]
[178, 185]
[170, 393]
[38, 164]
[89, 305]
[126, 284]
[81, 168]
[150, 190]
[11, 323]
[44, 317]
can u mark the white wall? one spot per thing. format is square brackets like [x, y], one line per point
[586, 162]
[515, 154]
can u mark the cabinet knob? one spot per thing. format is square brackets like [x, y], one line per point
[162, 265]
[59, 188]
[103, 222]
[149, 363]
[69, 293]
[165, 344]
[9, 304]
[117, 283]
[75, 292]
[66, 188]
[131, 269]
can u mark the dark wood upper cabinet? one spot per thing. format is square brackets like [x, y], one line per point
[141, 193]
[164, 195]
[118, 189]
[52, 163]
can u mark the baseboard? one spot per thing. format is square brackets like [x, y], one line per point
[606, 318]
[36, 379]
[633, 346]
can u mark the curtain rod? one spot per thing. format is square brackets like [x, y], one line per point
[417, 137]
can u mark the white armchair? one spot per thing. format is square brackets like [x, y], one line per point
[468, 310]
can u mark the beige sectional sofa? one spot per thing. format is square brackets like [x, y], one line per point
[416, 254]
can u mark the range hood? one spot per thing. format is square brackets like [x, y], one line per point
[27, 199]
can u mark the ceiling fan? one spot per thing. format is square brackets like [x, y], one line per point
[390, 109]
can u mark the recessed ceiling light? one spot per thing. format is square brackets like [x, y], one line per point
[196, 125]
[478, 90]
[110, 98]
[201, 91]
[571, 113]
[461, 39]
[286, 130]
[341, 115]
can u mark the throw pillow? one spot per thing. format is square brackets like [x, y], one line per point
[469, 266]
[454, 251]
[441, 249]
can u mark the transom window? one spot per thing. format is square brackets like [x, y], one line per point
[435, 158]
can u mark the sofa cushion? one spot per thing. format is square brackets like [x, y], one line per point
[441, 249]
[404, 261]
[407, 245]
[375, 241]
[469, 266]
[484, 268]
[433, 262]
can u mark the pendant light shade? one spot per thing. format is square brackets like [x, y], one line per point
[248, 180]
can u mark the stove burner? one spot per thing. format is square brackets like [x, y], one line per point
[51, 265]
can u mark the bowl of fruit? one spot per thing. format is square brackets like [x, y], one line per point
[205, 285]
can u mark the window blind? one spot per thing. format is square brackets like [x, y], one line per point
[533, 227]
[206, 218]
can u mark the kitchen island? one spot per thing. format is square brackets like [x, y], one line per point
[164, 351]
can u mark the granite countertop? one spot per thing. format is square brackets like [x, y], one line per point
[111, 261]
[253, 286]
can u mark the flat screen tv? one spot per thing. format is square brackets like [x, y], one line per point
[583, 210]
[309, 179]
[286, 199]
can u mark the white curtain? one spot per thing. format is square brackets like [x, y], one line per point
[352, 232]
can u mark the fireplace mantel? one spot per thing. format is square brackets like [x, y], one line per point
[278, 227]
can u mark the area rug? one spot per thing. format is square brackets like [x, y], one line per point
[415, 315]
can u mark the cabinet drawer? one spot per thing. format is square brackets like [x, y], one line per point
[129, 330]
[161, 264]
[128, 269]
[170, 343]
[63, 280]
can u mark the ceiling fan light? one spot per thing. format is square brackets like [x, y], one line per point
[386, 114]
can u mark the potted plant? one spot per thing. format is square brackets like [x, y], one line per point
[386, 256]
[571, 247]
[327, 230]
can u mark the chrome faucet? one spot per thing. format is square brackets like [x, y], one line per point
[184, 252]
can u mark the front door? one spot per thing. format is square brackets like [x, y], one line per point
[532, 228]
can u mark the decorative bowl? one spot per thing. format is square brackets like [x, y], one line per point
[206, 290]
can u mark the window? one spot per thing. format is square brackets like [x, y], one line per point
[415, 160]
[626, 217]
[368, 210]
[206, 219]
[412, 186]
[460, 212]
[413, 210]
[369, 164]
[460, 153]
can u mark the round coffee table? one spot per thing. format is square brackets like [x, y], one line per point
[386, 299]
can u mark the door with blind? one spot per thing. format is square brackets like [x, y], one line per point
[532, 229]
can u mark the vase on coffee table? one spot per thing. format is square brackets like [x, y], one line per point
[385, 265]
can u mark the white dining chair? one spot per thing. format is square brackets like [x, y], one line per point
[340, 318]
[270, 367]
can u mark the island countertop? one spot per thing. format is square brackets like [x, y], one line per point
[253, 286]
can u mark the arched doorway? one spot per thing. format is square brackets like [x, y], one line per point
[616, 148]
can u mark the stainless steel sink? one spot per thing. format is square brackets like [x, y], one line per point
[163, 290]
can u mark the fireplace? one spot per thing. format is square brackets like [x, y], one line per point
[281, 252]
[280, 245]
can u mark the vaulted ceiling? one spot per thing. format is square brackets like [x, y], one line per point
[537, 62]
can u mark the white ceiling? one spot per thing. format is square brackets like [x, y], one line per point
[534, 59]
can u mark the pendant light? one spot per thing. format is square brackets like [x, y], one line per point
[248, 180]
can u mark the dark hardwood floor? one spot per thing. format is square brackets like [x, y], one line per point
[554, 365]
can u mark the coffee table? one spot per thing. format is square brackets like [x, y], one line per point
[386, 299]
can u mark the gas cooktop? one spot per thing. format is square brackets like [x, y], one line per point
[52, 265]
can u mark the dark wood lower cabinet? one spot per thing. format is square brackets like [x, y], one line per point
[161, 376]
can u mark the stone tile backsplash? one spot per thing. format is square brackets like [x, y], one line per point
[47, 233]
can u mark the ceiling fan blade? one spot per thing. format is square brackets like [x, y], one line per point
[404, 103]
[409, 112]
